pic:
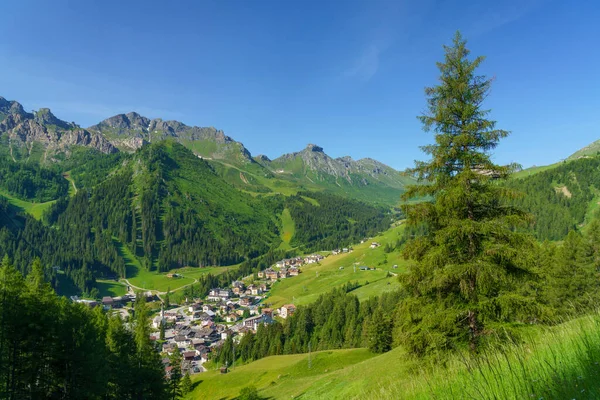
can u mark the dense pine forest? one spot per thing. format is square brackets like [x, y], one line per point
[562, 198]
[54, 349]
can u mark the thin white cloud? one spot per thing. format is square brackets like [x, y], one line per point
[508, 12]
[366, 65]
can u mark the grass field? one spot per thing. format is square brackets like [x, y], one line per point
[320, 278]
[288, 229]
[534, 170]
[280, 376]
[561, 362]
[111, 288]
[34, 209]
[152, 280]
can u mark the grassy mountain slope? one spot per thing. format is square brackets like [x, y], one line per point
[554, 363]
[365, 179]
[317, 279]
[593, 149]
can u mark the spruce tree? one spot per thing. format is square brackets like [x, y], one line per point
[470, 255]
[186, 384]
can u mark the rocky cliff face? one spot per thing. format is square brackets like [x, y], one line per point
[130, 131]
[23, 129]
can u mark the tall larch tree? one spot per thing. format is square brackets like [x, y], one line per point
[464, 267]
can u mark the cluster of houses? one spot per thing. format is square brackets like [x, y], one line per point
[116, 302]
[196, 328]
[343, 250]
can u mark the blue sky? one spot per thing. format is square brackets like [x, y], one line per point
[276, 75]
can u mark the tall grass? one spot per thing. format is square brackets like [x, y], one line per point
[562, 363]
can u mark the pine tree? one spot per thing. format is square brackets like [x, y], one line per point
[470, 255]
[186, 384]
[175, 378]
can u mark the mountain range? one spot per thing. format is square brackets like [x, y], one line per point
[41, 136]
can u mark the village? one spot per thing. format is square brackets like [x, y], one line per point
[201, 325]
[198, 326]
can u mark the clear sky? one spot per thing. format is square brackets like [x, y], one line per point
[276, 75]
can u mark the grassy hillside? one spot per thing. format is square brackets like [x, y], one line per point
[280, 376]
[34, 209]
[592, 149]
[553, 363]
[317, 279]
[534, 170]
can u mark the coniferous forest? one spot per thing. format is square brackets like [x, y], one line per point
[55, 349]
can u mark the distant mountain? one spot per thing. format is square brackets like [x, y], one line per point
[131, 131]
[40, 135]
[365, 179]
[590, 150]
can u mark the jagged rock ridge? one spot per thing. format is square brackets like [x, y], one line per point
[130, 132]
[24, 129]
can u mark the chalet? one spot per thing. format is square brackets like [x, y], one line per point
[336, 252]
[182, 341]
[189, 355]
[219, 294]
[268, 311]
[314, 258]
[169, 347]
[226, 334]
[294, 271]
[345, 250]
[238, 287]
[254, 290]
[284, 273]
[89, 303]
[287, 310]
[271, 274]
[107, 301]
[246, 301]
[374, 245]
[261, 274]
[254, 322]
[231, 317]
[253, 310]
[194, 307]
[263, 287]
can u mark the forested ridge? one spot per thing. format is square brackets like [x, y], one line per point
[170, 209]
[559, 198]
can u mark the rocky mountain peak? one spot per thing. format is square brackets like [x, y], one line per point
[263, 158]
[314, 148]
[56, 135]
[45, 117]
[11, 107]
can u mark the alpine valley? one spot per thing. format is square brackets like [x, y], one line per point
[130, 197]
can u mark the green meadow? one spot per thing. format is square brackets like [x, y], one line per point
[34, 209]
[337, 270]
[561, 362]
